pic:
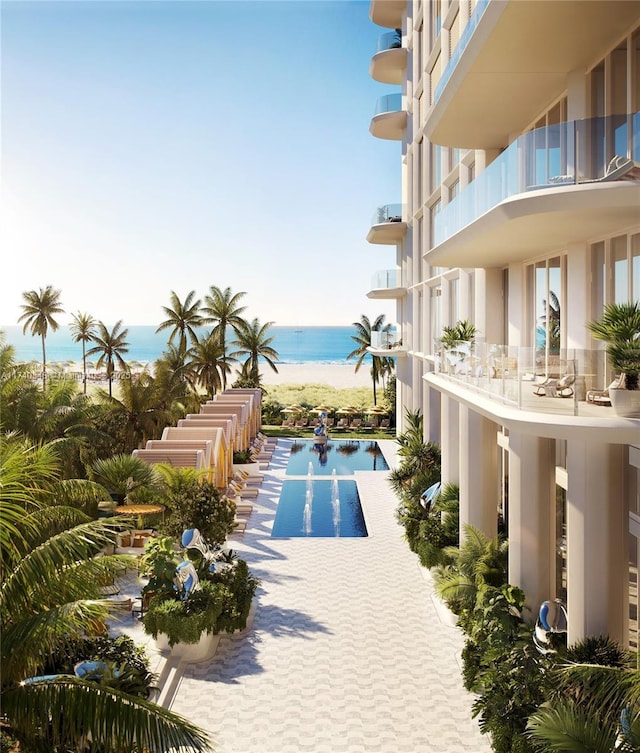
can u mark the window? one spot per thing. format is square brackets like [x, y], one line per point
[433, 212]
[436, 167]
[635, 267]
[620, 269]
[454, 188]
[547, 297]
[436, 19]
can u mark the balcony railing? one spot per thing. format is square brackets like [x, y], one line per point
[387, 213]
[389, 103]
[527, 378]
[463, 42]
[385, 279]
[392, 40]
[385, 340]
[575, 152]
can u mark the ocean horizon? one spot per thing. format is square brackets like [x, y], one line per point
[294, 345]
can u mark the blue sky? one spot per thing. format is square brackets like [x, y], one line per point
[158, 146]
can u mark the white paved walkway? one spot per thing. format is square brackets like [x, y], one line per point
[346, 653]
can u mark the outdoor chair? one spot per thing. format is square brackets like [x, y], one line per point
[551, 387]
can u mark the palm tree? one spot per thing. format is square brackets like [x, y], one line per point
[20, 398]
[110, 346]
[550, 323]
[253, 342]
[183, 318]
[49, 595]
[82, 328]
[619, 327]
[209, 363]
[124, 474]
[222, 310]
[137, 408]
[39, 309]
[364, 328]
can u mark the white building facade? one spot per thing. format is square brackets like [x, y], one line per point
[520, 212]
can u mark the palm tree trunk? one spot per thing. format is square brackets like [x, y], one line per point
[44, 364]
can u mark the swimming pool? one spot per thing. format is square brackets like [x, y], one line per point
[319, 508]
[345, 455]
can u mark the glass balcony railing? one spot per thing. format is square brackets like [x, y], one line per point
[580, 151]
[385, 279]
[386, 340]
[392, 40]
[389, 103]
[530, 378]
[387, 213]
[466, 35]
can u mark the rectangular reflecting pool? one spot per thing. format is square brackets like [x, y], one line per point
[345, 455]
[319, 508]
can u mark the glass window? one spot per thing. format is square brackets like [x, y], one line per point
[635, 267]
[454, 300]
[436, 166]
[453, 190]
[620, 269]
[598, 287]
[634, 560]
[433, 211]
[434, 76]
[436, 319]
[561, 544]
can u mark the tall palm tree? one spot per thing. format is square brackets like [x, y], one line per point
[362, 338]
[210, 364]
[254, 343]
[82, 328]
[183, 318]
[39, 309]
[49, 594]
[221, 308]
[110, 346]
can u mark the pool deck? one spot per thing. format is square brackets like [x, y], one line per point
[348, 650]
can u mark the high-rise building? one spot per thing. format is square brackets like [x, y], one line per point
[520, 214]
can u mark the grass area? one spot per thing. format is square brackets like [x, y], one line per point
[317, 394]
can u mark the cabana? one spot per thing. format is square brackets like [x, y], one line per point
[240, 397]
[225, 410]
[228, 426]
[220, 451]
[206, 445]
[177, 458]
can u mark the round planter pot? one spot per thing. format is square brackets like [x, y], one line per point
[625, 402]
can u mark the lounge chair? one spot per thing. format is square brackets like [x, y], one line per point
[356, 423]
[551, 387]
[385, 423]
[602, 397]
[342, 424]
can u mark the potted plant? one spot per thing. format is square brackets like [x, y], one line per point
[457, 343]
[619, 327]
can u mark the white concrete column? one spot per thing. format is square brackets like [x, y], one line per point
[597, 534]
[478, 465]
[531, 500]
[449, 442]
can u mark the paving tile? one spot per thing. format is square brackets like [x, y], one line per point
[346, 653]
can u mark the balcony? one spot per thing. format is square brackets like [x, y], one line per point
[387, 345]
[500, 76]
[386, 285]
[502, 381]
[390, 61]
[389, 120]
[547, 183]
[387, 13]
[387, 226]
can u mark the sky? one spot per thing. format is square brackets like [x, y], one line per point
[158, 146]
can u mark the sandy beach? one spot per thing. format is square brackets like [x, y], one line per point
[340, 376]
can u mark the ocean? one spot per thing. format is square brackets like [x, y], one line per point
[293, 344]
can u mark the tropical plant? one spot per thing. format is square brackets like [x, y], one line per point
[183, 319]
[419, 461]
[20, 398]
[209, 364]
[362, 338]
[39, 310]
[619, 327]
[221, 308]
[123, 475]
[109, 347]
[82, 328]
[252, 341]
[50, 595]
[158, 564]
[137, 406]
[550, 323]
[195, 503]
[458, 341]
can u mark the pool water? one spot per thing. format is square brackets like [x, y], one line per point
[345, 455]
[319, 508]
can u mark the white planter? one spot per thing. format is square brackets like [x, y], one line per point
[625, 402]
[205, 648]
[252, 469]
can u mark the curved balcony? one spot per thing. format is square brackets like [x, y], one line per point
[387, 344]
[390, 61]
[498, 59]
[389, 120]
[387, 226]
[549, 187]
[386, 285]
[387, 13]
